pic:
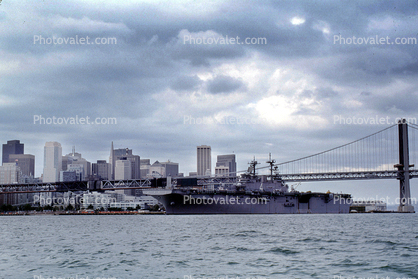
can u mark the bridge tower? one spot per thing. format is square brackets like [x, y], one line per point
[403, 168]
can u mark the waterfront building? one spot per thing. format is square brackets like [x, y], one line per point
[116, 200]
[368, 206]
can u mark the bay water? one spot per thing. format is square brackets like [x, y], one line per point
[210, 246]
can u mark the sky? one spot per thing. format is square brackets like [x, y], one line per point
[311, 63]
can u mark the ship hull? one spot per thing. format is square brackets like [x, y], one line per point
[314, 203]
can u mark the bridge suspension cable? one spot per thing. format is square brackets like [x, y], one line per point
[375, 152]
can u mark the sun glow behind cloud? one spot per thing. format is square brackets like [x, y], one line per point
[297, 20]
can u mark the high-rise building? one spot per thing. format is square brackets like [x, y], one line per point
[26, 162]
[204, 162]
[10, 173]
[145, 166]
[75, 158]
[171, 168]
[101, 169]
[112, 162]
[68, 176]
[78, 169]
[52, 161]
[164, 169]
[12, 147]
[123, 169]
[222, 171]
[227, 161]
[117, 154]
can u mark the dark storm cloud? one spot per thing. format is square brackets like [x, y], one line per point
[186, 83]
[399, 102]
[224, 84]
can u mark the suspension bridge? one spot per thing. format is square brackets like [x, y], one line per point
[386, 154]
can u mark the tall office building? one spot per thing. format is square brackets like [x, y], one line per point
[75, 158]
[26, 162]
[67, 175]
[10, 173]
[227, 161]
[204, 162]
[125, 154]
[164, 169]
[52, 161]
[123, 169]
[145, 166]
[101, 169]
[222, 171]
[12, 147]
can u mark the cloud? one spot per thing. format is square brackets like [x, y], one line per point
[224, 84]
[186, 83]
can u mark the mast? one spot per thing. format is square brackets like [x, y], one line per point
[252, 164]
[271, 163]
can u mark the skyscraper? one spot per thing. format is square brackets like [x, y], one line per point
[52, 161]
[164, 169]
[26, 162]
[123, 169]
[12, 147]
[204, 162]
[227, 161]
[101, 169]
[75, 158]
[125, 154]
[10, 173]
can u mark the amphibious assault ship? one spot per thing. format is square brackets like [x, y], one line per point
[249, 194]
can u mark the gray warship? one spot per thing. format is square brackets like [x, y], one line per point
[249, 194]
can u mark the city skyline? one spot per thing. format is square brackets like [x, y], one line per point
[86, 163]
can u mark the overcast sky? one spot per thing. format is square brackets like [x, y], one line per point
[287, 90]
